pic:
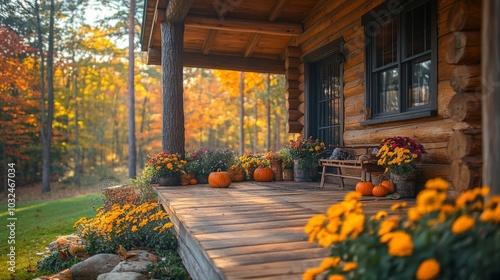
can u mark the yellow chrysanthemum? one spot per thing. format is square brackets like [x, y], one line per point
[329, 262]
[335, 210]
[388, 225]
[353, 225]
[400, 244]
[399, 205]
[414, 214]
[462, 224]
[336, 277]
[430, 200]
[437, 184]
[353, 196]
[350, 266]
[310, 273]
[380, 214]
[428, 269]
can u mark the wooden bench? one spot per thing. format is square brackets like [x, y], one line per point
[365, 163]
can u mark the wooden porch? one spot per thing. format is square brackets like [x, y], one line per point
[251, 230]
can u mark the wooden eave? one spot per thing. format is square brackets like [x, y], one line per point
[246, 36]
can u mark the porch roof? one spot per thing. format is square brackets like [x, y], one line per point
[233, 35]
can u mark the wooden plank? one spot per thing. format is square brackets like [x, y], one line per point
[226, 62]
[272, 269]
[263, 248]
[250, 226]
[281, 238]
[245, 25]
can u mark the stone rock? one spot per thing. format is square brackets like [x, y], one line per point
[131, 265]
[122, 276]
[139, 255]
[94, 266]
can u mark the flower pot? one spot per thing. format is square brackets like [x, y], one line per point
[276, 167]
[304, 174]
[237, 175]
[169, 181]
[405, 185]
[287, 174]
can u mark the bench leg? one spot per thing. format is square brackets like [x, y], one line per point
[339, 170]
[322, 183]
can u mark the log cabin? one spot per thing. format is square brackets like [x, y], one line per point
[357, 71]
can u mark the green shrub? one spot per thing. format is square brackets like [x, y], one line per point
[168, 267]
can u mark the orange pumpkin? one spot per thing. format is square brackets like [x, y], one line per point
[193, 181]
[380, 191]
[219, 179]
[389, 185]
[263, 174]
[365, 188]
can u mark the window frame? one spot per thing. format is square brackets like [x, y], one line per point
[382, 14]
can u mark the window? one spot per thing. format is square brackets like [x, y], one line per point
[401, 61]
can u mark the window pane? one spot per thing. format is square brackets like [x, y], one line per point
[418, 30]
[388, 88]
[419, 88]
[386, 44]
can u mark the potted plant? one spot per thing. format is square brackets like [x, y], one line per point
[399, 156]
[305, 153]
[204, 161]
[286, 163]
[166, 167]
[250, 162]
[276, 164]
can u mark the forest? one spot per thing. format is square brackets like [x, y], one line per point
[67, 94]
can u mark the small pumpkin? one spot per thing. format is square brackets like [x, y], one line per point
[380, 191]
[389, 185]
[219, 179]
[185, 179]
[365, 188]
[193, 181]
[263, 174]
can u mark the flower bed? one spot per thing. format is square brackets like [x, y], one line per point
[439, 238]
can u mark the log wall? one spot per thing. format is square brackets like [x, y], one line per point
[458, 77]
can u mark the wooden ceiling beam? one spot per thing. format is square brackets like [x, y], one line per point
[252, 44]
[243, 25]
[225, 62]
[209, 42]
[276, 10]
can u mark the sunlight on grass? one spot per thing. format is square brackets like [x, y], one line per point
[38, 224]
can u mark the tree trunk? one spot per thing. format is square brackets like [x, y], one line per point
[173, 139]
[141, 131]
[47, 137]
[268, 112]
[491, 94]
[277, 145]
[255, 127]
[132, 161]
[78, 167]
[242, 113]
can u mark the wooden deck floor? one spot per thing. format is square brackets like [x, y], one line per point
[251, 230]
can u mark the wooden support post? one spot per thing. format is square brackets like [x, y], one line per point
[173, 138]
[490, 62]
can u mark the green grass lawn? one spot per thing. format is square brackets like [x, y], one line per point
[38, 224]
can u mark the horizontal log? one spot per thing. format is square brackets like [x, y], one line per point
[465, 143]
[354, 105]
[292, 93]
[466, 107]
[244, 25]
[466, 174]
[294, 127]
[432, 171]
[292, 74]
[292, 104]
[292, 62]
[293, 115]
[436, 153]
[292, 51]
[302, 108]
[292, 84]
[445, 95]
[354, 73]
[226, 62]
[464, 48]
[301, 86]
[302, 97]
[353, 122]
[465, 15]
[353, 88]
[430, 131]
[466, 78]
